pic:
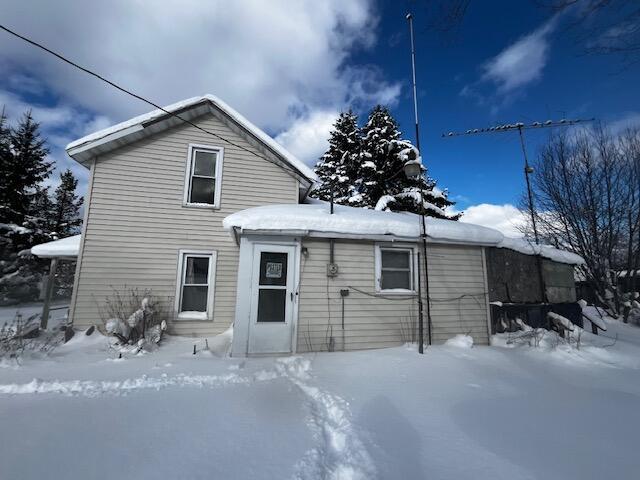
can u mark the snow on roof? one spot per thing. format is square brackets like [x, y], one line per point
[240, 119]
[65, 247]
[316, 218]
[547, 251]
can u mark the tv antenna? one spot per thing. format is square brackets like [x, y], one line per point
[521, 127]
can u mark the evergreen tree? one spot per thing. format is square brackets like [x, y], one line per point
[25, 168]
[382, 183]
[65, 219]
[5, 164]
[26, 209]
[337, 167]
[380, 167]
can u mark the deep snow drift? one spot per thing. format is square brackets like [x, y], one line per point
[459, 411]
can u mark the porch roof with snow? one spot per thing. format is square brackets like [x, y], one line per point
[64, 248]
[129, 131]
[315, 220]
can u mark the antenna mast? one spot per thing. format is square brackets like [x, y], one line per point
[413, 72]
[528, 170]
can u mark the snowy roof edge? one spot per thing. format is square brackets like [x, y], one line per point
[67, 247]
[359, 223]
[98, 137]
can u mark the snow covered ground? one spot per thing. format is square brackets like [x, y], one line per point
[457, 412]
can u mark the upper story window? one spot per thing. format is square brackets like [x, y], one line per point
[394, 269]
[203, 176]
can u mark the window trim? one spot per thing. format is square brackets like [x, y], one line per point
[188, 175]
[412, 266]
[211, 282]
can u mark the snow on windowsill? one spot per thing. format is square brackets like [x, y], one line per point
[209, 206]
[397, 291]
[192, 315]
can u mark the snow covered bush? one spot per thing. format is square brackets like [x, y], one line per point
[134, 317]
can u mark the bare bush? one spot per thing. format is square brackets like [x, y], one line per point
[21, 335]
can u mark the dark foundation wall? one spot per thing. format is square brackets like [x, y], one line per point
[514, 277]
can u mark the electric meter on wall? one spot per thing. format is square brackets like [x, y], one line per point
[332, 269]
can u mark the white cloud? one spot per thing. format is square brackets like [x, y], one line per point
[516, 66]
[273, 61]
[282, 64]
[505, 218]
[308, 137]
[522, 62]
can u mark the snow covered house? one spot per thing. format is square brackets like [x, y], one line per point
[213, 217]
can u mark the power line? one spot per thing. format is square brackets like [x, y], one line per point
[128, 92]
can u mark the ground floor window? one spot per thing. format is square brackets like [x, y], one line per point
[194, 296]
[394, 269]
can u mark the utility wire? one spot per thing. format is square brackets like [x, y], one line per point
[124, 90]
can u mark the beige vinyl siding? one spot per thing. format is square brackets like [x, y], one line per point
[137, 223]
[376, 321]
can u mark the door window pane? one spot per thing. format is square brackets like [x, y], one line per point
[197, 270]
[272, 305]
[204, 164]
[273, 268]
[194, 298]
[202, 190]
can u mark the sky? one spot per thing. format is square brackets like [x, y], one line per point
[292, 66]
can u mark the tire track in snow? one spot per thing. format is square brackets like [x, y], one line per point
[93, 388]
[341, 455]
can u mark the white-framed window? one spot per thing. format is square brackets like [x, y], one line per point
[203, 176]
[395, 266]
[195, 284]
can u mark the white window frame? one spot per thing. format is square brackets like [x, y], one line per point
[182, 256]
[412, 266]
[188, 175]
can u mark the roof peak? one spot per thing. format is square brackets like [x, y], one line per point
[119, 131]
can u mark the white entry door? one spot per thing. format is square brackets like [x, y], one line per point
[272, 299]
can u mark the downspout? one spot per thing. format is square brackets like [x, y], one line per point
[234, 231]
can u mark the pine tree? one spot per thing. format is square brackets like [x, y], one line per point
[25, 168]
[5, 165]
[382, 183]
[65, 219]
[336, 169]
[26, 209]
[379, 168]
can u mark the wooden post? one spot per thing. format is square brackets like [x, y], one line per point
[51, 281]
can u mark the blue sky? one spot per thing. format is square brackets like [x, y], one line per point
[290, 67]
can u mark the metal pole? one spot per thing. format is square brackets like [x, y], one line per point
[426, 268]
[420, 306]
[413, 72]
[423, 223]
[51, 280]
[527, 171]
